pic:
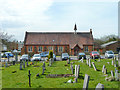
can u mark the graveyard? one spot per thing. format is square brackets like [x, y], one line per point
[61, 74]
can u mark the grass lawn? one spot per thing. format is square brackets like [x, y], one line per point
[20, 78]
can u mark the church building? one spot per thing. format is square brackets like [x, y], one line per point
[59, 42]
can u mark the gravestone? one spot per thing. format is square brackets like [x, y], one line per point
[82, 59]
[89, 63]
[86, 81]
[50, 62]
[76, 71]
[0, 56]
[8, 58]
[112, 73]
[94, 66]
[68, 60]
[23, 64]
[29, 79]
[116, 75]
[20, 65]
[27, 63]
[119, 59]
[16, 56]
[72, 69]
[75, 80]
[44, 65]
[105, 71]
[103, 68]
[6, 64]
[13, 62]
[112, 62]
[99, 60]
[43, 70]
[99, 86]
[115, 65]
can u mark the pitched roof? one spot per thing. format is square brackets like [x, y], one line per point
[109, 43]
[59, 38]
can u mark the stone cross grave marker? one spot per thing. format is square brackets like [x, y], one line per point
[86, 81]
[20, 65]
[112, 73]
[94, 66]
[103, 68]
[116, 75]
[99, 86]
[29, 79]
[89, 63]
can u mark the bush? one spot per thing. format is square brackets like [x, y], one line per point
[50, 54]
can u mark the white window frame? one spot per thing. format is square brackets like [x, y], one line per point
[60, 49]
[30, 48]
[40, 48]
[50, 48]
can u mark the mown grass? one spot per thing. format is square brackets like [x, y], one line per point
[20, 78]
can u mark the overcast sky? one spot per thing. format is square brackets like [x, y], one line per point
[18, 16]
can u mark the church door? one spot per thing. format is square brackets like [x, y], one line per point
[76, 50]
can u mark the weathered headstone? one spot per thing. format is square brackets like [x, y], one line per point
[103, 68]
[105, 71]
[116, 75]
[8, 58]
[82, 59]
[16, 56]
[24, 64]
[99, 60]
[72, 69]
[27, 63]
[89, 63]
[20, 65]
[68, 60]
[112, 73]
[43, 70]
[115, 65]
[112, 62]
[99, 87]
[50, 62]
[29, 79]
[6, 64]
[76, 71]
[75, 80]
[13, 62]
[0, 56]
[119, 59]
[86, 81]
[94, 66]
